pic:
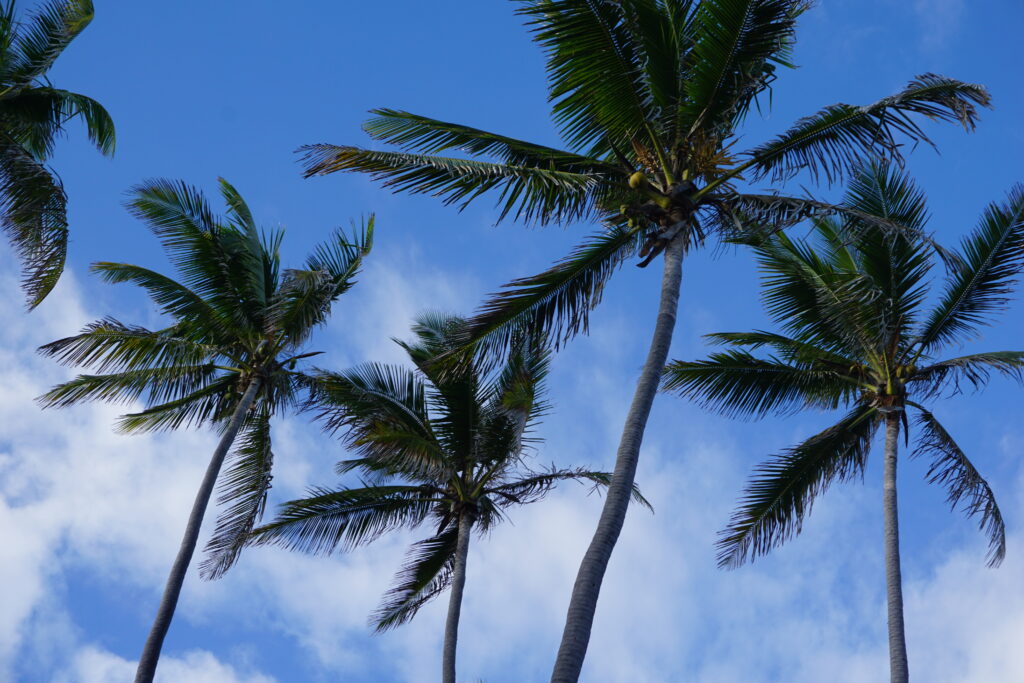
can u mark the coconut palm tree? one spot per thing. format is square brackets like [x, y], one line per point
[33, 114]
[857, 333]
[238, 326]
[650, 97]
[434, 446]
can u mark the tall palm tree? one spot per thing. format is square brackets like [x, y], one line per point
[857, 333]
[437, 447]
[228, 357]
[33, 114]
[650, 96]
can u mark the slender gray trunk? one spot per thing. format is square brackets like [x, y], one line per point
[451, 627]
[585, 591]
[155, 641]
[898, 666]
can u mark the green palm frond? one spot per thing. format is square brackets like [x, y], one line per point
[326, 520]
[211, 403]
[427, 572]
[738, 45]
[974, 370]
[304, 298]
[736, 383]
[782, 490]
[965, 486]
[595, 71]
[533, 193]
[34, 218]
[558, 301]
[173, 298]
[158, 384]
[44, 36]
[992, 257]
[242, 489]
[840, 137]
[423, 135]
[794, 351]
[529, 488]
[36, 117]
[382, 412]
[108, 345]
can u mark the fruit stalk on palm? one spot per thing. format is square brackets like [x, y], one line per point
[856, 333]
[650, 98]
[229, 356]
[33, 114]
[435, 447]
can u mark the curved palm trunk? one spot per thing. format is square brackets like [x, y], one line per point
[898, 667]
[451, 627]
[151, 651]
[585, 591]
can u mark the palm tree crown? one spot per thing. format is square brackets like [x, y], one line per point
[33, 114]
[857, 333]
[236, 317]
[649, 96]
[434, 446]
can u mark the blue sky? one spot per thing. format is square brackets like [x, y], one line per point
[199, 90]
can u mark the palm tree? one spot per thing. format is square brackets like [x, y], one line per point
[857, 333]
[33, 114]
[650, 96]
[228, 357]
[434, 446]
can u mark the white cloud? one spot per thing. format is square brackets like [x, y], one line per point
[75, 497]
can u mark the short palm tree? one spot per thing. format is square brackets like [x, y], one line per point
[228, 357]
[33, 114]
[857, 333]
[650, 97]
[434, 446]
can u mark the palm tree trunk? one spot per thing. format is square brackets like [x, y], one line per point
[451, 627]
[585, 591]
[154, 643]
[898, 667]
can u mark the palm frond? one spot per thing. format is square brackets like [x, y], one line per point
[44, 36]
[738, 45]
[557, 302]
[427, 572]
[304, 297]
[841, 137]
[173, 298]
[780, 494]
[382, 412]
[533, 193]
[992, 257]
[326, 520]
[974, 370]
[34, 219]
[108, 344]
[595, 71]
[534, 486]
[423, 135]
[964, 485]
[36, 116]
[736, 383]
[213, 402]
[157, 385]
[242, 489]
